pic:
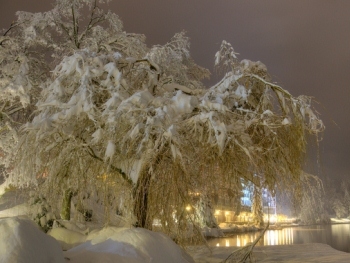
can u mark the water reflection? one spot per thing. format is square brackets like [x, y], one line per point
[271, 237]
[278, 237]
[337, 236]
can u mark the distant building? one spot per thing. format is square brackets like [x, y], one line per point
[269, 203]
[246, 199]
[238, 208]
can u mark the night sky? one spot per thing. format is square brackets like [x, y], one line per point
[304, 44]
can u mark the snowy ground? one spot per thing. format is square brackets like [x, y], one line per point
[340, 221]
[21, 241]
[313, 252]
[232, 228]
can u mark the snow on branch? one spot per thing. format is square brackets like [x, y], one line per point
[225, 58]
[110, 109]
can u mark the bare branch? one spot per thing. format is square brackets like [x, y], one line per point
[93, 21]
[67, 31]
[13, 25]
[75, 28]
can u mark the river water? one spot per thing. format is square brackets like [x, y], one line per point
[337, 236]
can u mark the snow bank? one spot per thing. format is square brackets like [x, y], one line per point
[233, 228]
[124, 245]
[12, 204]
[340, 220]
[306, 253]
[18, 210]
[67, 238]
[212, 232]
[22, 242]
[3, 187]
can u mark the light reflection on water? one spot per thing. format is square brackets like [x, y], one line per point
[337, 236]
[278, 237]
[271, 237]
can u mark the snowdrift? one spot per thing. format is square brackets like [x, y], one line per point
[22, 242]
[127, 245]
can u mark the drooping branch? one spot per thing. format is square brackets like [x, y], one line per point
[128, 95]
[92, 153]
[273, 86]
[243, 254]
[13, 25]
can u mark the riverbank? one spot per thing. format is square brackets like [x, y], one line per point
[312, 252]
[22, 241]
[231, 228]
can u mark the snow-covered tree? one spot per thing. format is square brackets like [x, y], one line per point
[21, 72]
[312, 203]
[140, 119]
[340, 200]
[345, 189]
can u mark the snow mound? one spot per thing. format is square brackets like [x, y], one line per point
[67, 238]
[305, 253]
[212, 232]
[125, 245]
[12, 203]
[22, 242]
[233, 228]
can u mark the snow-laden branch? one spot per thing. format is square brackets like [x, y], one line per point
[116, 113]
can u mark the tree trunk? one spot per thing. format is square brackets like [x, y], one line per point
[205, 212]
[258, 214]
[141, 194]
[66, 205]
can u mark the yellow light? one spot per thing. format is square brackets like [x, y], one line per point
[217, 212]
[245, 241]
[188, 208]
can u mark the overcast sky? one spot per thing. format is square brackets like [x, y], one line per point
[304, 44]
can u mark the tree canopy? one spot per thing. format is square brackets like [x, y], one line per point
[108, 111]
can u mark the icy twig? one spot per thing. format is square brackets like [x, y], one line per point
[245, 253]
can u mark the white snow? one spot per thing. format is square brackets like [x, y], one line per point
[135, 169]
[11, 204]
[127, 245]
[340, 220]
[96, 136]
[232, 228]
[210, 106]
[67, 238]
[110, 150]
[285, 121]
[180, 104]
[140, 100]
[22, 242]
[306, 253]
[212, 232]
[241, 92]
